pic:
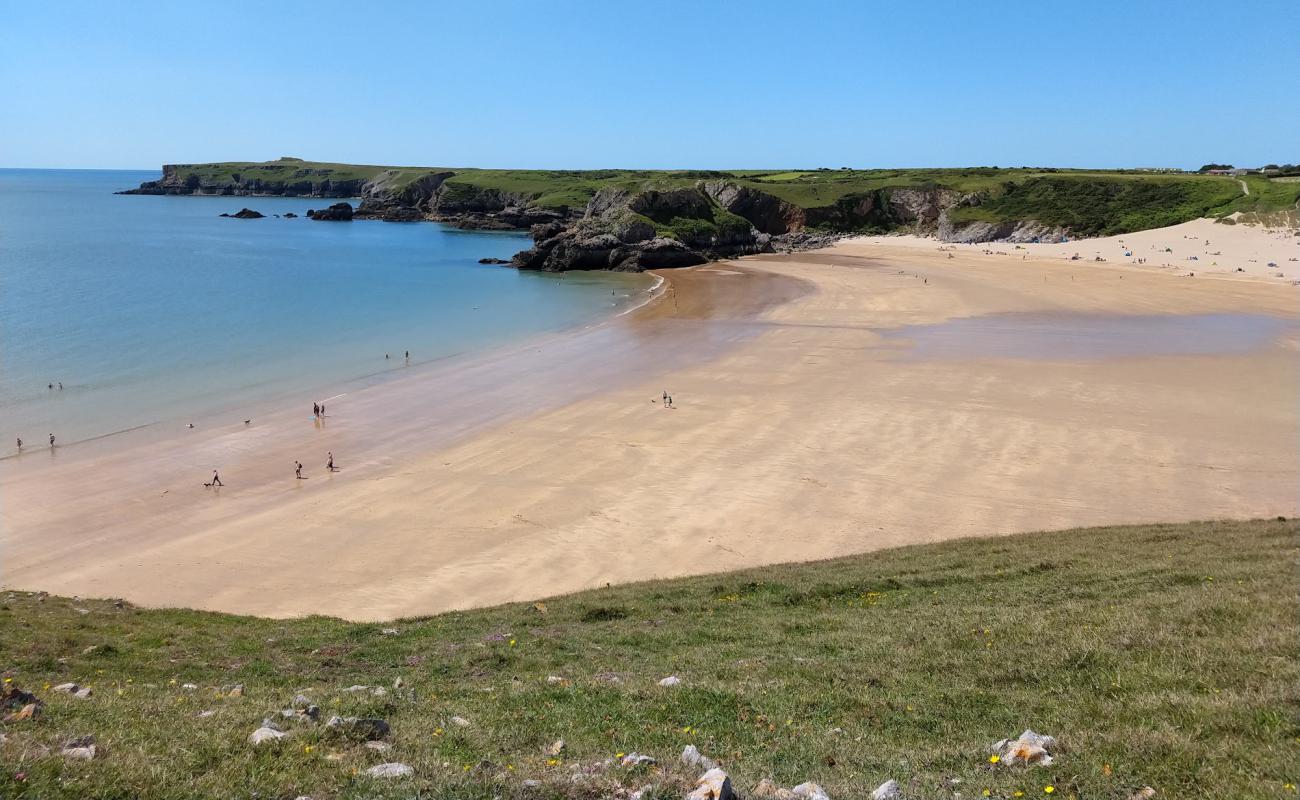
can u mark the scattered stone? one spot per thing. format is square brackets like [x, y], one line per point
[82, 748]
[554, 748]
[398, 682]
[887, 791]
[359, 728]
[233, 691]
[1145, 793]
[494, 261]
[390, 770]
[608, 677]
[539, 607]
[692, 757]
[83, 692]
[290, 215]
[205, 714]
[357, 688]
[382, 747]
[767, 790]
[264, 734]
[245, 213]
[189, 687]
[65, 688]
[29, 711]
[460, 722]
[1030, 748]
[713, 785]
[92, 648]
[389, 632]
[556, 680]
[635, 759]
[810, 791]
[671, 680]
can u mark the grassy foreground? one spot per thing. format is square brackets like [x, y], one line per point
[1158, 655]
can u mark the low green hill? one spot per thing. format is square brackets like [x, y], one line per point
[1162, 656]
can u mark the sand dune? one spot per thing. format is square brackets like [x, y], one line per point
[806, 426]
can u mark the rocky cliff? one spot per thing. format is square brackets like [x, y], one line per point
[301, 182]
[626, 224]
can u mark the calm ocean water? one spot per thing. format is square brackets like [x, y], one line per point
[155, 309]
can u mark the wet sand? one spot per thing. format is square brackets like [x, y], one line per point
[804, 429]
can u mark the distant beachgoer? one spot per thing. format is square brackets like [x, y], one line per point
[248, 422]
[20, 444]
[665, 397]
[189, 425]
[329, 464]
[670, 401]
[216, 479]
[385, 355]
[315, 409]
[322, 409]
[51, 440]
[50, 387]
[408, 355]
[60, 386]
[297, 469]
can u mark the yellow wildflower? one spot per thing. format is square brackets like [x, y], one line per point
[993, 759]
[1048, 789]
[987, 793]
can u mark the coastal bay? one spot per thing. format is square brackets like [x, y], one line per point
[554, 467]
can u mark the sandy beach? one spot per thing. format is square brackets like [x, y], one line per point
[821, 409]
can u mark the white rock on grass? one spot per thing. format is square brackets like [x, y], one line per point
[83, 692]
[713, 785]
[692, 757]
[65, 688]
[887, 791]
[554, 748]
[189, 687]
[392, 769]
[460, 722]
[81, 748]
[810, 791]
[671, 680]
[554, 679]
[1030, 748]
[382, 747]
[635, 759]
[265, 734]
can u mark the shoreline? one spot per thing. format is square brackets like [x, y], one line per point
[801, 433]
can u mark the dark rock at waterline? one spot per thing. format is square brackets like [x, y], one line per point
[245, 213]
[494, 261]
[290, 215]
[339, 212]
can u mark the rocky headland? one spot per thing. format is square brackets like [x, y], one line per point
[634, 220]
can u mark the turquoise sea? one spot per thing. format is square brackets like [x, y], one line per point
[156, 309]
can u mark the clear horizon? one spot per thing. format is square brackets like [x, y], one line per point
[1112, 85]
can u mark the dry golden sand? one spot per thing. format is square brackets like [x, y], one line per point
[800, 433]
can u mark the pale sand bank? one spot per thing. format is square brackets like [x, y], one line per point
[1199, 247]
[801, 432]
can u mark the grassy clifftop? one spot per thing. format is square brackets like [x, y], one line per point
[1158, 655]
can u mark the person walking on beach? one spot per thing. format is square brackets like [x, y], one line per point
[408, 355]
[51, 440]
[315, 409]
[297, 470]
[20, 444]
[665, 398]
[329, 463]
[322, 409]
[216, 479]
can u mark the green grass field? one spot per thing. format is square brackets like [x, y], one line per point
[1158, 655]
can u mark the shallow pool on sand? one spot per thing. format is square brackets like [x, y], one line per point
[1082, 337]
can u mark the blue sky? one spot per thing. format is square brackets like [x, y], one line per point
[651, 84]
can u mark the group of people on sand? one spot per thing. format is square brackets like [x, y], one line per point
[667, 399]
[318, 410]
[297, 471]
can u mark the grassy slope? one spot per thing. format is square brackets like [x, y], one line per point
[1160, 655]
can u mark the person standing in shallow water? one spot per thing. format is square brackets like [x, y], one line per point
[20, 444]
[315, 409]
[51, 440]
[297, 470]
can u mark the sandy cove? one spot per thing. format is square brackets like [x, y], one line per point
[801, 432]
